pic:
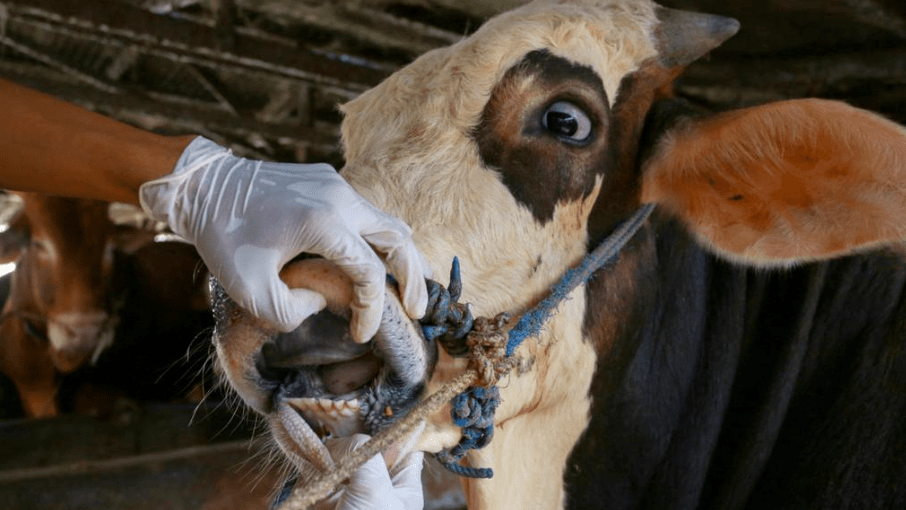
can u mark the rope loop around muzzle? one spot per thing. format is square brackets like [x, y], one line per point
[473, 410]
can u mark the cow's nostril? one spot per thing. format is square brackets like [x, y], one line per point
[79, 338]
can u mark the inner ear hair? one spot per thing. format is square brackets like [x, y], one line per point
[784, 182]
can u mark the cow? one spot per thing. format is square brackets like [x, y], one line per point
[745, 350]
[94, 302]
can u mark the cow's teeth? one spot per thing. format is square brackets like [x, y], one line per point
[340, 418]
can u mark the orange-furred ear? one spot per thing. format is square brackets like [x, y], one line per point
[784, 182]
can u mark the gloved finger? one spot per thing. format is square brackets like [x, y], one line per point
[367, 305]
[340, 447]
[371, 478]
[427, 270]
[393, 238]
[368, 276]
[408, 266]
[302, 304]
[254, 283]
[403, 470]
[370, 487]
[289, 307]
[407, 481]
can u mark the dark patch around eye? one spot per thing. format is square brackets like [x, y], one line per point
[541, 170]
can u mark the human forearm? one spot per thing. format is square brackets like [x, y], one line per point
[48, 146]
[261, 215]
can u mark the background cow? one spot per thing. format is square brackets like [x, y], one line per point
[687, 375]
[88, 293]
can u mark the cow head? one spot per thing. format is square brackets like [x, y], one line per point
[513, 150]
[62, 285]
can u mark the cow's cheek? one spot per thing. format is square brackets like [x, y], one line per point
[43, 279]
[554, 369]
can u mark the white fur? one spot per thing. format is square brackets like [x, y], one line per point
[409, 151]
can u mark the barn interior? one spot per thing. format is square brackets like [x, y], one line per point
[264, 77]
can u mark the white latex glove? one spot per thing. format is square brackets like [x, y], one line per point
[372, 487]
[248, 218]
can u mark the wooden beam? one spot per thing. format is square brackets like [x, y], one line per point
[114, 22]
[167, 114]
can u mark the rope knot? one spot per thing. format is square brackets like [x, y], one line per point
[487, 349]
[447, 320]
[473, 411]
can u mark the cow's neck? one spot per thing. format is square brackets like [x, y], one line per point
[642, 309]
[545, 408]
[691, 349]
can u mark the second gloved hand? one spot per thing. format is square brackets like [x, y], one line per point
[373, 487]
[248, 218]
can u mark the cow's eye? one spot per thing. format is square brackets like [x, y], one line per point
[567, 121]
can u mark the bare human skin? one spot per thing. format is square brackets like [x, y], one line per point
[51, 146]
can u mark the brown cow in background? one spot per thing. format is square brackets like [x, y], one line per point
[102, 302]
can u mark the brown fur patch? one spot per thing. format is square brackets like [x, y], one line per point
[612, 293]
[620, 193]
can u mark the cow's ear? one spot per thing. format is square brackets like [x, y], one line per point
[784, 182]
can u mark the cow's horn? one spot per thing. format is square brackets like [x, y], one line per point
[684, 36]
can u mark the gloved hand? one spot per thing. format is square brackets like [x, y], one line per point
[372, 487]
[248, 218]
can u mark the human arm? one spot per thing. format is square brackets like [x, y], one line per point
[50, 146]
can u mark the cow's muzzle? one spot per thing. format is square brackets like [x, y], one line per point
[315, 382]
[78, 338]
